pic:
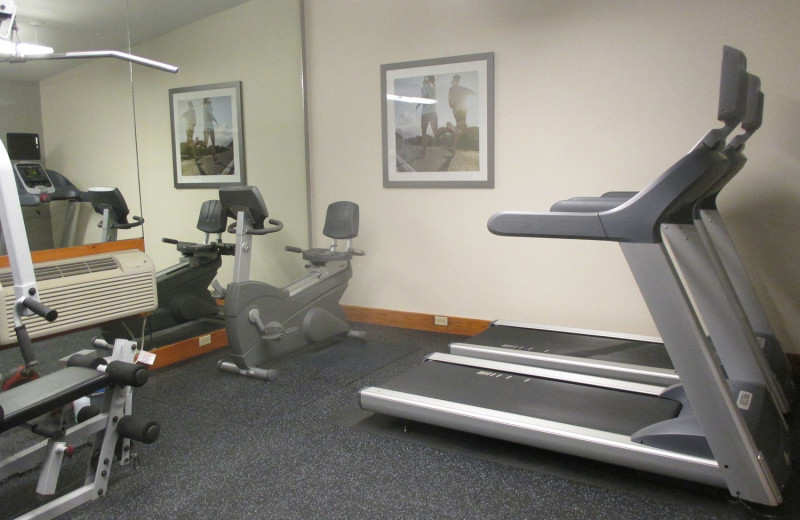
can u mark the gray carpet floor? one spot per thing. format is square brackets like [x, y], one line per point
[301, 448]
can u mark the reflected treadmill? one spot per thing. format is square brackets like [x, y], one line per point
[720, 424]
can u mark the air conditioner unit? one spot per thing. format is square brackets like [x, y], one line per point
[85, 291]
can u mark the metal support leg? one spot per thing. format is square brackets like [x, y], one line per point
[740, 459]
[723, 316]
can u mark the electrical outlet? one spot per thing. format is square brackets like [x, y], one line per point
[440, 320]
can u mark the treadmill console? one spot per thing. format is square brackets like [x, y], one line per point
[25, 153]
[33, 178]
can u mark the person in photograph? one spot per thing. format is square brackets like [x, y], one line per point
[429, 115]
[457, 97]
[190, 120]
[208, 127]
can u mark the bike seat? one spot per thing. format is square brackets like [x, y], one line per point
[319, 256]
[191, 249]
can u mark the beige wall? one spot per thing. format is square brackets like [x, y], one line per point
[259, 44]
[89, 136]
[589, 97]
[20, 107]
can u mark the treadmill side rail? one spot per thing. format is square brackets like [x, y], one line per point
[545, 373]
[574, 440]
[592, 367]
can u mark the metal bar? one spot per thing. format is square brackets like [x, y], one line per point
[99, 54]
[19, 253]
[244, 243]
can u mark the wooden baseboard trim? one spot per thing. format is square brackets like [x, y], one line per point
[189, 348]
[49, 255]
[414, 320]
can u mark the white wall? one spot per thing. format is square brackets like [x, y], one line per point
[589, 97]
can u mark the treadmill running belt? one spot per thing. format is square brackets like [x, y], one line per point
[613, 411]
[571, 344]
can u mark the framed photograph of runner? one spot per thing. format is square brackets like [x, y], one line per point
[438, 122]
[207, 149]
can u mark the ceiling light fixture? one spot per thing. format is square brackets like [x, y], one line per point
[10, 44]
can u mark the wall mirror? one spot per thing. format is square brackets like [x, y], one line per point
[85, 111]
[106, 122]
[31, 104]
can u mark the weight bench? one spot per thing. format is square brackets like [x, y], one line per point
[110, 423]
[40, 396]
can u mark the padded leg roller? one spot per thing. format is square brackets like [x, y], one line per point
[86, 413]
[124, 373]
[138, 429]
[85, 361]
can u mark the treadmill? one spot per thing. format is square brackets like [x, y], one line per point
[704, 251]
[37, 187]
[711, 427]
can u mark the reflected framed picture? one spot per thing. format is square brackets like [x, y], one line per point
[207, 139]
[438, 122]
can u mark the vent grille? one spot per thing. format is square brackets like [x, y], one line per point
[99, 301]
[65, 270]
[85, 292]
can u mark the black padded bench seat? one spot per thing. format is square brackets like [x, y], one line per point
[35, 398]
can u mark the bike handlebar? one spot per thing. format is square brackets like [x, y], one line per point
[277, 225]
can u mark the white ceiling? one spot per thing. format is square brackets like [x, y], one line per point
[77, 25]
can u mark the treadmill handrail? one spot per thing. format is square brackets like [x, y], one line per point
[671, 195]
[636, 219]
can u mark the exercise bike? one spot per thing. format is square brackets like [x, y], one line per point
[265, 322]
[186, 307]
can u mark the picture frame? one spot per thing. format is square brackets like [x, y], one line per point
[438, 122]
[207, 137]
